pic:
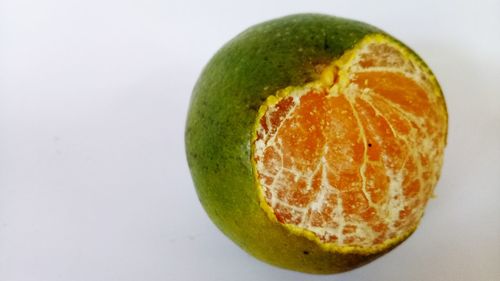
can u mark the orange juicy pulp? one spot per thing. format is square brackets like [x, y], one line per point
[355, 160]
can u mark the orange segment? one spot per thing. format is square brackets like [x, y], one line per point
[355, 162]
[397, 88]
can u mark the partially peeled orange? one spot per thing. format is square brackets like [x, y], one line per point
[315, 142]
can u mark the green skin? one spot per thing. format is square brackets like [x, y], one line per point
[220, 124]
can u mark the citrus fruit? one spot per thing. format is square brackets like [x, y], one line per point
[315, 142]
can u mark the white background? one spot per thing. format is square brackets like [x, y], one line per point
[93, 179]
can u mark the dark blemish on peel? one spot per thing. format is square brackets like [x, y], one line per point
[254, 107]
[306, 252]
[326, 46]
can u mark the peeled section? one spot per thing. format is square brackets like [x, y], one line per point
[354, 157]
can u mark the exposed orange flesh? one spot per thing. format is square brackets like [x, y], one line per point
[354, 162]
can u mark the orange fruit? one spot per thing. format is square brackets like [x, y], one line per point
[327, 164]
